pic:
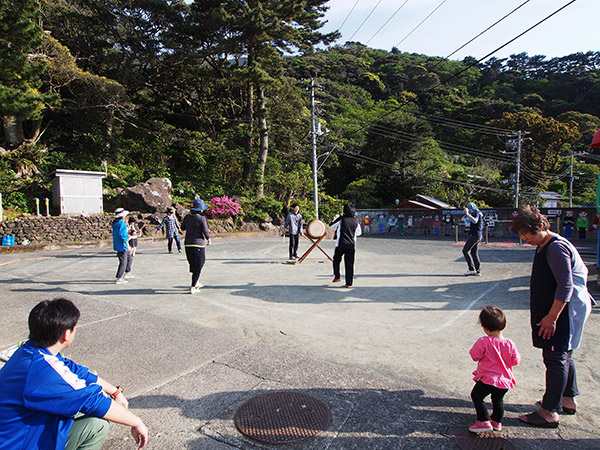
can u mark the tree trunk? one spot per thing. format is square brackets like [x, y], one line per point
[264, 140]
[13, 131]
[250, 137]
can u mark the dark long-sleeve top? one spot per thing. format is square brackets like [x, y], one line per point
[196, 230]
[559, 273]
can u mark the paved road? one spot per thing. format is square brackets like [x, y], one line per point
[410, 318]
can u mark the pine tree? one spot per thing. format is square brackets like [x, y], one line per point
[22, 65]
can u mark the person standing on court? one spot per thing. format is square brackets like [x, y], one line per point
[172, 229]
[559, 305]
[121, 245]
[293, 223]
[347, 230]
[471, 249]
[197, 237]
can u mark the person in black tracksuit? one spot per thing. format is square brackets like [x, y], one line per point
[347, 229]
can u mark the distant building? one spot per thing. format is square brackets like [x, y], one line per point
[422, 202]
[550, 199]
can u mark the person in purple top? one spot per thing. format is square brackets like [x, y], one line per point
[559, 306]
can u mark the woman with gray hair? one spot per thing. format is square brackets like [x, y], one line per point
[559, 305]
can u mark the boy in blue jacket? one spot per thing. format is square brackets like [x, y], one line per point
[48, 402]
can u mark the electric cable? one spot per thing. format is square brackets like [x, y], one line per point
[441, 82]
[366, 18]
[344, 22]
[387, 21]
[483, 32]
[421, 23]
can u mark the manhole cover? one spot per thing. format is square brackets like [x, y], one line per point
[282, 418]
[465, 440]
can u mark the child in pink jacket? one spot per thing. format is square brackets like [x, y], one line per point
[495, 356]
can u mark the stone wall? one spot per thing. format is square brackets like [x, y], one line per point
[77, 229]
[59, 229]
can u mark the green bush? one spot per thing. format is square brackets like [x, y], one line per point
[260, 208]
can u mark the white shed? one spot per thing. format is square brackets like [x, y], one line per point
[77, 191]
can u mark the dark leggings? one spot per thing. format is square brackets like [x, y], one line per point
[348, 254]
[479, 393]
[196, 257]
[471, 252]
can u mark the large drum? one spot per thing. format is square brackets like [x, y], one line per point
[316, 229]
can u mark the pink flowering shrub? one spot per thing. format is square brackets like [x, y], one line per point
[223, 207]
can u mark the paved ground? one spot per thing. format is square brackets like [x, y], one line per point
[389, 357]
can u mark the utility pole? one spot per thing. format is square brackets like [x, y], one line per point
[519, 141]
[313, 129]
[571, 183]
[518, 144]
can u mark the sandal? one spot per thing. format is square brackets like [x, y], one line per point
[537, 420]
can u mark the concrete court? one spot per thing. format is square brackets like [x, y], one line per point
[387, 354]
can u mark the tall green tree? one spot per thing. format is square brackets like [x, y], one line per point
[262, 31]
[22, 65]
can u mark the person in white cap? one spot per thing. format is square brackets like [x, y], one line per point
[121, 245]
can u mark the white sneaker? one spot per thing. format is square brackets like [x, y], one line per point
[129, 275]
[470, 272]
[121, 281]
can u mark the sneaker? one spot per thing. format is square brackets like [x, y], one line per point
[347, 285]
[120, 281]
[199, 286]
[129, 275]
[170, 253]
[335, 280]
[478, 273]
[481, 427]
[470, 272]
[497, 426]
[179, 250]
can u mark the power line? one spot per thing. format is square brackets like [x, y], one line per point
[441, 82]
[443, 180]
[421, 23]
[386, 22]
[485, 31]
[344, 22]
[507, 43]
[366, 18]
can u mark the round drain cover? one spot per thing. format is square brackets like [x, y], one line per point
[282, 418]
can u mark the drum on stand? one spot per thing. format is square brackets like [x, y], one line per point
[316, 229]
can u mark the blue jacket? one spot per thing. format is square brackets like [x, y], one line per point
[39, 395]
[120, 235]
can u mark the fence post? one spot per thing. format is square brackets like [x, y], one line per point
[47, 207]
[37, 206]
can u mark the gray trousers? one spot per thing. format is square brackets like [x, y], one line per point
[125, 260]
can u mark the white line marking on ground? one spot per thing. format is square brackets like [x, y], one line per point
[468, 308]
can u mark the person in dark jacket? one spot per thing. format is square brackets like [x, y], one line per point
[559, 305]
[347, 230]
[471, 249]
[197, 237]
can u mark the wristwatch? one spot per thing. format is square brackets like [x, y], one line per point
[115, 394]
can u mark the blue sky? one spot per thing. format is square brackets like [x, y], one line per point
[574, 29]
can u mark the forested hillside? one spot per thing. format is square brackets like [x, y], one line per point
[215, 95]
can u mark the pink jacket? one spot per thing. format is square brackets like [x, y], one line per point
[495, 359]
